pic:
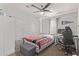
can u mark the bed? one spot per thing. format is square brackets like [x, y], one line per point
[39, 41]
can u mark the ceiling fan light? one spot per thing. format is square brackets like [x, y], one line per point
[51, 10]
[41, 12]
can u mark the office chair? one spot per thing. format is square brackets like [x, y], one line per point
[68, 49]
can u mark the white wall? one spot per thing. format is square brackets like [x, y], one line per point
[63, 17]
[68, 17]
[26, 22]
[28, 25]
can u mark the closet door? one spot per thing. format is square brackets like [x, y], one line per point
[2, 25]
[7, 35]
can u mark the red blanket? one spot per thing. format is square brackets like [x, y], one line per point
[43, 41]
[40, 41]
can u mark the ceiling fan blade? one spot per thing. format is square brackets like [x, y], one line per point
[48, 4]
[47, 10]
[35, 7]
[36, 11]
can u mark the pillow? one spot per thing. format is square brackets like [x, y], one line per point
[31, 37]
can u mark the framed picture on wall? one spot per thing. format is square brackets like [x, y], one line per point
[66, 22]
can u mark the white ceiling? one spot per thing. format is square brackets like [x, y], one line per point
[21, 7]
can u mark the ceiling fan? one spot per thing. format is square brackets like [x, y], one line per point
[43, 9]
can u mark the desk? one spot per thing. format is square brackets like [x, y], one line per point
[58, 38]
[76, 40]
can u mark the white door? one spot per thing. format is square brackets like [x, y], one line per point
[7, 35]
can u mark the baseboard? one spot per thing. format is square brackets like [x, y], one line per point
[12, 54]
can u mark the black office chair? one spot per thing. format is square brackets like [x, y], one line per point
[69, 49]
[68, 42]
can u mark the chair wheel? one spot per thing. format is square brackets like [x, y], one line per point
[65, 53]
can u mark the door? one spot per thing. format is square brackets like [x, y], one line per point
[7, 35]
